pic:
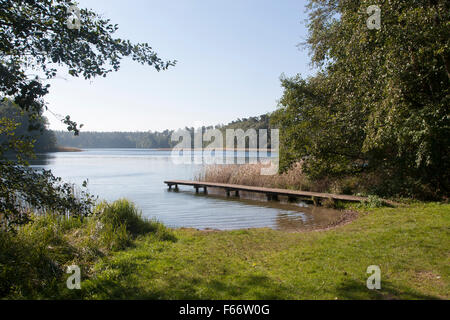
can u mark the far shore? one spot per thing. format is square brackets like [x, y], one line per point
[67, 149]
[218, 149]
[73, 149]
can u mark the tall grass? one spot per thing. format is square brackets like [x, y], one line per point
[33, 260]
[294, 178]
[250, 175]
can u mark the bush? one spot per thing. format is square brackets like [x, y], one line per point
[26, 269]
[33, 259]
[374, 202]
[124, 213]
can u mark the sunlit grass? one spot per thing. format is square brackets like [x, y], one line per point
[411, 246]
[33, 261]
[124, 256]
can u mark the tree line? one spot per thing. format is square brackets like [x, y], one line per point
[92, 139]
[33, 129]
[35, 41]
[149, 139]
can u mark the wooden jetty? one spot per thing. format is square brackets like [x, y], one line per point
[272, 194]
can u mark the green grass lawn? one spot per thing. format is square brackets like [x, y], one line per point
[411, 245]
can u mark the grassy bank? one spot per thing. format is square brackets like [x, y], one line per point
[33, 260]
[411, 245]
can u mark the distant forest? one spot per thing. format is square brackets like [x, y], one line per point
[146, 140]
[28, 128]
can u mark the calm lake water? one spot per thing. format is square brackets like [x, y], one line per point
[138, 175]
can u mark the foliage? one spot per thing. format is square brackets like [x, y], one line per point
[257, 123]
[34, 36]
[33, 262]
[43, 140]
[87, 139]
[374, 202]
[362, 184]
[34, 42]
[24, 190]
[150, 139]
[123, 213]
[380, 99]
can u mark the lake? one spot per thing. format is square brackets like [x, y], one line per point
[138, 175]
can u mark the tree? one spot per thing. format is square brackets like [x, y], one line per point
[35, 41]
[43, 140]
[380, 99]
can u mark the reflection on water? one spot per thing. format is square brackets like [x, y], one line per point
[290, 216]
[42, 159]
[138, 175]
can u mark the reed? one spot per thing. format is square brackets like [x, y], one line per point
[250, 175]
[294, 179]
[33, 259]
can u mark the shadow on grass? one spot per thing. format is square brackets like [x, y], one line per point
[245, 287]
[177, 287]
[252, 286]
[357, 290]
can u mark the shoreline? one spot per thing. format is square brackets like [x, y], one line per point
[159, 262]
[347, 217]
[66, 149]
[74, 149]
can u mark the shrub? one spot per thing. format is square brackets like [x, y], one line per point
[373, 202]
[26, 266]
[33, 259]
[124, 213]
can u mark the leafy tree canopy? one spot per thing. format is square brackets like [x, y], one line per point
[34, 37]
[380, 99]
[43, 140]
[35, 41]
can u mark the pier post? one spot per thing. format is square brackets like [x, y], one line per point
[272, 194]
[272, 197]
[315, 201]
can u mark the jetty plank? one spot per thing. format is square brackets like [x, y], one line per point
[272, 192]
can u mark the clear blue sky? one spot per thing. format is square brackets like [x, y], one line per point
[231, 54]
